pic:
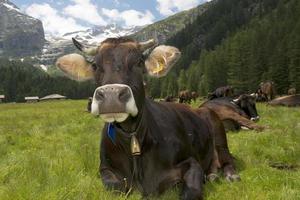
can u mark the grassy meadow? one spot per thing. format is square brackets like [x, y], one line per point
[50, 150]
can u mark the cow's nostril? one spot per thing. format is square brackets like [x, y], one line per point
[100, 95]
[124, 95]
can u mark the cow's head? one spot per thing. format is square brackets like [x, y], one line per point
[117, 66]
[247, 104]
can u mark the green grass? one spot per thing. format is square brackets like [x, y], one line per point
[51, 151]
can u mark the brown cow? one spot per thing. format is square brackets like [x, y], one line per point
[267, 90]
[225, 91]
[235, 113]
[260, 96]
[170, 98]
[185, 96]
[148, 145]
[195, 95]
[290, 101]
[292, 91]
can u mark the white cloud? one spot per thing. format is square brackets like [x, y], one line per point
[129, 17]
[53, 22]
[170, 7]
[86, 11]
[82, 13]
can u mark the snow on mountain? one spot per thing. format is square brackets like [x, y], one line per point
[11, 7]
[20, 34]
[99, 33]
[57, 46]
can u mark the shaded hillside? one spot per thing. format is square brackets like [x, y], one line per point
[266, 49]
[165, 29]
[222, 20]
[20, 34]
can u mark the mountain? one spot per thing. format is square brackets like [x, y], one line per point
[161, 30]
[97, 34]
[164, 29]
[20, 34]
[57, 46]
[211, 59]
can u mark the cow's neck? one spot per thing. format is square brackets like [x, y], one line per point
[133, 126]
[132, 123]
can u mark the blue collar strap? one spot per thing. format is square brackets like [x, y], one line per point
[111, 132]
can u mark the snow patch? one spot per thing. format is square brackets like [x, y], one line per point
[43, 67]
[11, 7]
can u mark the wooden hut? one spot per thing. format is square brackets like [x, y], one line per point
[31, 99]
[53, 97]
[2, 97]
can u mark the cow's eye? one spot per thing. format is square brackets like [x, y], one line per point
[99, 68]
[139, 63]
[94, 66]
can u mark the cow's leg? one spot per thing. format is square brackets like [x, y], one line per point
[212, 174]
[110, 178]
[242, 121]
[112, 181]
[193, 178]
[224, 157]
[227, 164]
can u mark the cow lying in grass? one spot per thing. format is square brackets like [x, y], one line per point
[289, 101]
[148, 145]
[235, 113]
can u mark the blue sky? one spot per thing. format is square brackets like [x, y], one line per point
[61, 16]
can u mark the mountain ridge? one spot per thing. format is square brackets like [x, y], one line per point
[20, 34]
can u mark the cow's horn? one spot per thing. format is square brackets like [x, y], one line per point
[92, 51]
[147, 45]
[235, 100]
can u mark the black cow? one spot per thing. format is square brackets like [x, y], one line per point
[260, 96]
[235, 113]
[225, 91]
[185, 96]
[89, 105]
[148, 145]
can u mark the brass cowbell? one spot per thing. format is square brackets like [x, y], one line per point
[135, 146]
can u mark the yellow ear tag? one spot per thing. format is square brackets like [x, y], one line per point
[160, 67]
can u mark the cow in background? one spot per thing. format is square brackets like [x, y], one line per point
[289, 101]
[260, 96]
[292, 91]
[195, 95]
[185, 96]
[170, 98]
[235, 113]
[266, 91]
[225, 91]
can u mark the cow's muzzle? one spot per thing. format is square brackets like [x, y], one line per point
[255, 119]
[114, 102]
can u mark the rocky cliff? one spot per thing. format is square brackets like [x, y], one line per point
[20, 34]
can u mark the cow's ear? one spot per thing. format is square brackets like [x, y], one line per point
[75, 67]
[161, 60]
